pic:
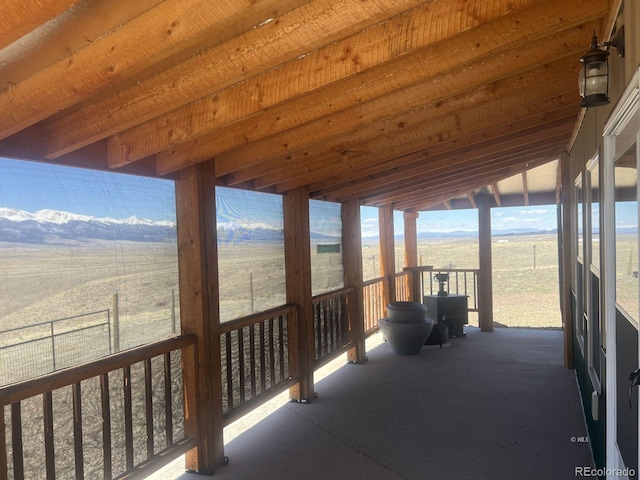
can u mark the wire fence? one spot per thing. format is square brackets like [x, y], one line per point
[48, 346]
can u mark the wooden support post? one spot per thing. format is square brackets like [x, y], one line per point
[199, 315]
[485, 283]
[297, 253]
[387, 253]
[352, 265]
[566, 264]
[411, 252]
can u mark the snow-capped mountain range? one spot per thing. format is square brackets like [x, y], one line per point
[53, 226]
[60, 218]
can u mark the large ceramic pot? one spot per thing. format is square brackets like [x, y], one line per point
[406, 338]
[406, 312]
[407, 327]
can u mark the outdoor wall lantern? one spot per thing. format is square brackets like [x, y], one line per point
[594, 74]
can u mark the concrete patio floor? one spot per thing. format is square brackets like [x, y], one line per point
[488, 406]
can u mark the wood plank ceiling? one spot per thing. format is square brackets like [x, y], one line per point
[404, 102]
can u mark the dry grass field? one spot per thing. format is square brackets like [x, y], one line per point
[47, 282]
[525, 274]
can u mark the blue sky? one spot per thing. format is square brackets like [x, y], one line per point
[539, 217]
[35, 186]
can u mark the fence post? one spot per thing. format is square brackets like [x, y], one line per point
[116, 322]
[173, 311]
[53, 346]
[251, 291]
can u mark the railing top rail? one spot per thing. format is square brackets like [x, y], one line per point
[402, 274]
[334, 293]
[421, 268]
[372, 281]
[62, 378]
[432, 269]
[53, 321]
[257, 317]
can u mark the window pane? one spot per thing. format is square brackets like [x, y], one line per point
[88, 262]
[250, 252]
[398, 240]
[579, 218]
[325, 220]
[370, 228]
[626, 231]
[595, 217]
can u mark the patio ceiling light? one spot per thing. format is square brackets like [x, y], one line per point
[594, 74]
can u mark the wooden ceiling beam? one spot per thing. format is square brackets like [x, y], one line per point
[17, 17]
[460, 188]
[336, 62]
[447, 163]
[163, 30]
[294, 33]
[480, 143]
[418, 66]
[364, 158]
[445, 179]
[418, 102]
[463, 163]
[395, 112]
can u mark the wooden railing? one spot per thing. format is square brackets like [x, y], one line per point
[83, 428]
[373, 303]
[462, 281]
[256, 359]
[402, 281]
[331, 325]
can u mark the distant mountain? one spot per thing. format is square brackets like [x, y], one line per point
[469, 234]
[233, 232]
[52, 226]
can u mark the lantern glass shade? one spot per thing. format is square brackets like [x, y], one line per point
[594, 77]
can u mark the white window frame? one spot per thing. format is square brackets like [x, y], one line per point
[625, 109]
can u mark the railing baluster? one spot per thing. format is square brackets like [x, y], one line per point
[148, 404]
[252, 359]
[272, 360]
[106, 425]
[128, 416]
[76, 392]
[168, 411]
[47, 409]
[475, 291]
[241, 376]
[16, 440]
[281, 344]
[230, 401]
[263, 367]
